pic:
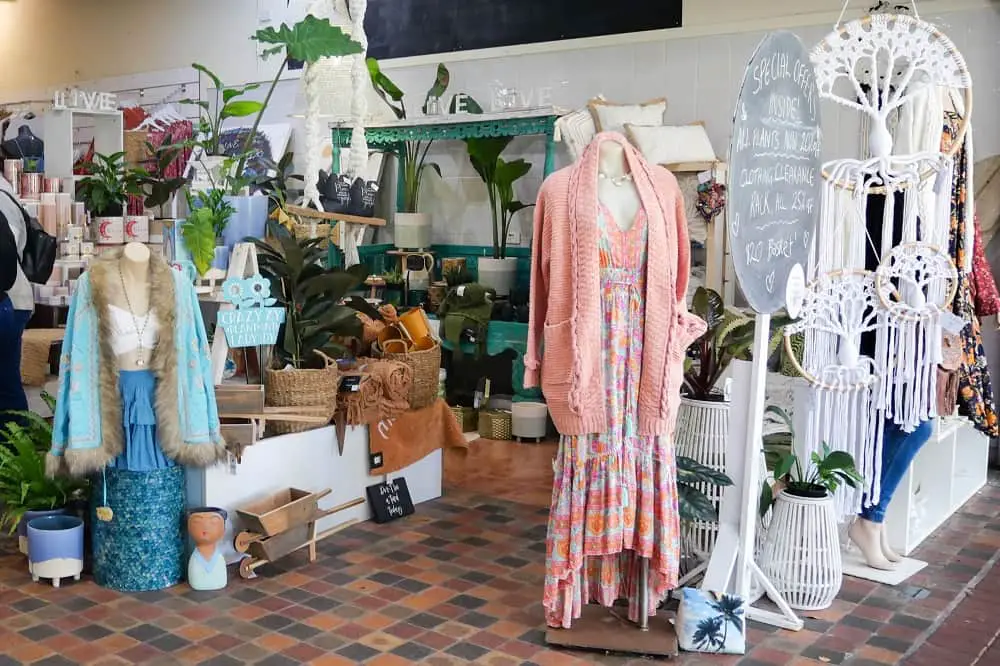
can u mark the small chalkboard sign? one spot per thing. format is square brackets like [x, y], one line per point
[775, 170]
[390, 500]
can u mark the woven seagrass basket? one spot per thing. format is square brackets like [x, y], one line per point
[302, 388]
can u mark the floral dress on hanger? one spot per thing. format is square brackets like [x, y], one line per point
[614, 499]
[975, 391]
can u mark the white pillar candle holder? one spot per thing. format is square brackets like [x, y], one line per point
[702, 434]
[802, 552]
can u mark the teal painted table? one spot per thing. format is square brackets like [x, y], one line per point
[455, 127]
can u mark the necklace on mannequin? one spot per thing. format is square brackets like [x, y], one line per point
[140, 361]
[617, 181]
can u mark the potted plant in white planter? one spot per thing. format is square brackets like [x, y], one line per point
[25, 491]
[499, 176]
[412, 229]
[104, 191]
[157, 188]
[801, 554]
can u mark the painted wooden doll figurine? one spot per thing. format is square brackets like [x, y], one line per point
[207, 566]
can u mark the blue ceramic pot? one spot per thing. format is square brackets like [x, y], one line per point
[250, 219]
[55, 548]
[22, 526]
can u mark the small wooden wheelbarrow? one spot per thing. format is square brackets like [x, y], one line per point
[283, 524]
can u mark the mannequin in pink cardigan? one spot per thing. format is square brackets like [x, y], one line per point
[609, 275]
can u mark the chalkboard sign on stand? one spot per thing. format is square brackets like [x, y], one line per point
[774, 170]
[390, 500]
[403, 28]
[774, 200]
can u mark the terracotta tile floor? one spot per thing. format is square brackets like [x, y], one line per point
[459, 582]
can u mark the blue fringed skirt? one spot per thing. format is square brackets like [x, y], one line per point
[142, 547]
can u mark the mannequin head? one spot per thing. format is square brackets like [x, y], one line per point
[206, 525]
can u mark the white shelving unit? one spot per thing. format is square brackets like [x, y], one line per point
[948, 471]
[60, 134]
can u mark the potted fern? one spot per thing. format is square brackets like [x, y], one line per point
[412, 229]
[499, 176]
[26, 492]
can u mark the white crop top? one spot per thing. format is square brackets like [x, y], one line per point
[125, 338]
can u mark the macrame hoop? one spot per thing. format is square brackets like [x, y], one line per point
[807, 322]
[884, 287]
[922, 47]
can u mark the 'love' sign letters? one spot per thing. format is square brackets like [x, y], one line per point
[775, 170]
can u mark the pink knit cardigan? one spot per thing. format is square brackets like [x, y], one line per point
[566, 302]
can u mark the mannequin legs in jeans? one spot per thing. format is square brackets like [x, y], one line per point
[868, 532]
[12, 323]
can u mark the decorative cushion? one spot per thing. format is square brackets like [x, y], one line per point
[711, 622]
[668, 144]
[576, 130]
[612, 117]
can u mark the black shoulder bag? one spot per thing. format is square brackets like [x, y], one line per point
[40, 248]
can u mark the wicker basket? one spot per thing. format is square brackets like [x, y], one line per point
[495, 424]
[301, 388]
[467, 417]
[36, 347]
[304, 230]
[425, 366]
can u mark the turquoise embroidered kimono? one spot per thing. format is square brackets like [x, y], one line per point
[87, 431]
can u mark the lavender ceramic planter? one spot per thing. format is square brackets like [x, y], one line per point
[55, 548]
[22, 526]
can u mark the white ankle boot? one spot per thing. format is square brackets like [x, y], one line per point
[866, 535]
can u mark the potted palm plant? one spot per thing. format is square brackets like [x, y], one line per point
[316, 320]
[104, 191]
[801, 554]
[499, 176]
[412, 228]
[26, 492]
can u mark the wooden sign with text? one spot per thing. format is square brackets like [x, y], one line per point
[775, 171]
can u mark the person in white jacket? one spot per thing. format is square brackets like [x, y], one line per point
[15, 311]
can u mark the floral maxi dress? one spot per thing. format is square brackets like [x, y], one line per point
[614, 498]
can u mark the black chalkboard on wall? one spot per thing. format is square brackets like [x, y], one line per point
[402, 28]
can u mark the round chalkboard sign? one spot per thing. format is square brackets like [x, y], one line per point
[774, 170]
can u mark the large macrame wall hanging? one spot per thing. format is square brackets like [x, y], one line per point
[877, 66]
[839, 308]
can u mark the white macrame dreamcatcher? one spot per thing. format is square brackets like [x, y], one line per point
[876, 65]
[329, 83]
[915, 284]
[838, 308]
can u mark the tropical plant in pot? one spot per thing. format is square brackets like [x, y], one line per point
[208, 216]
[26, 492]
[499, 176]
[412, 228]
[151, 179]
[828, 470]
[318, 320]
[801, 553]
[104, 191]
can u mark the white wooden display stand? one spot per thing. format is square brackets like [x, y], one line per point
[947, 472]
[242, 264]
[59, 127]
[311, 461]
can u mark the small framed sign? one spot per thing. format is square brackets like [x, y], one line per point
[390, 500]
[254, 322]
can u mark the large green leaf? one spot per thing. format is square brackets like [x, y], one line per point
[310, 39]
[440, 85]
[240, 109]
[693, 505]
[837, 460]
[198, 233]
[708, 305]
[386, 89]
[334, 285]
[209, 73]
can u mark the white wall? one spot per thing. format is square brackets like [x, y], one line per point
[698, 68]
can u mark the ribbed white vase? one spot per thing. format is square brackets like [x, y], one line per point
[802, 553]
[702, 434]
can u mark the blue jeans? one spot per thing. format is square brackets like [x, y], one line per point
[898, 451]
[12, 323]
